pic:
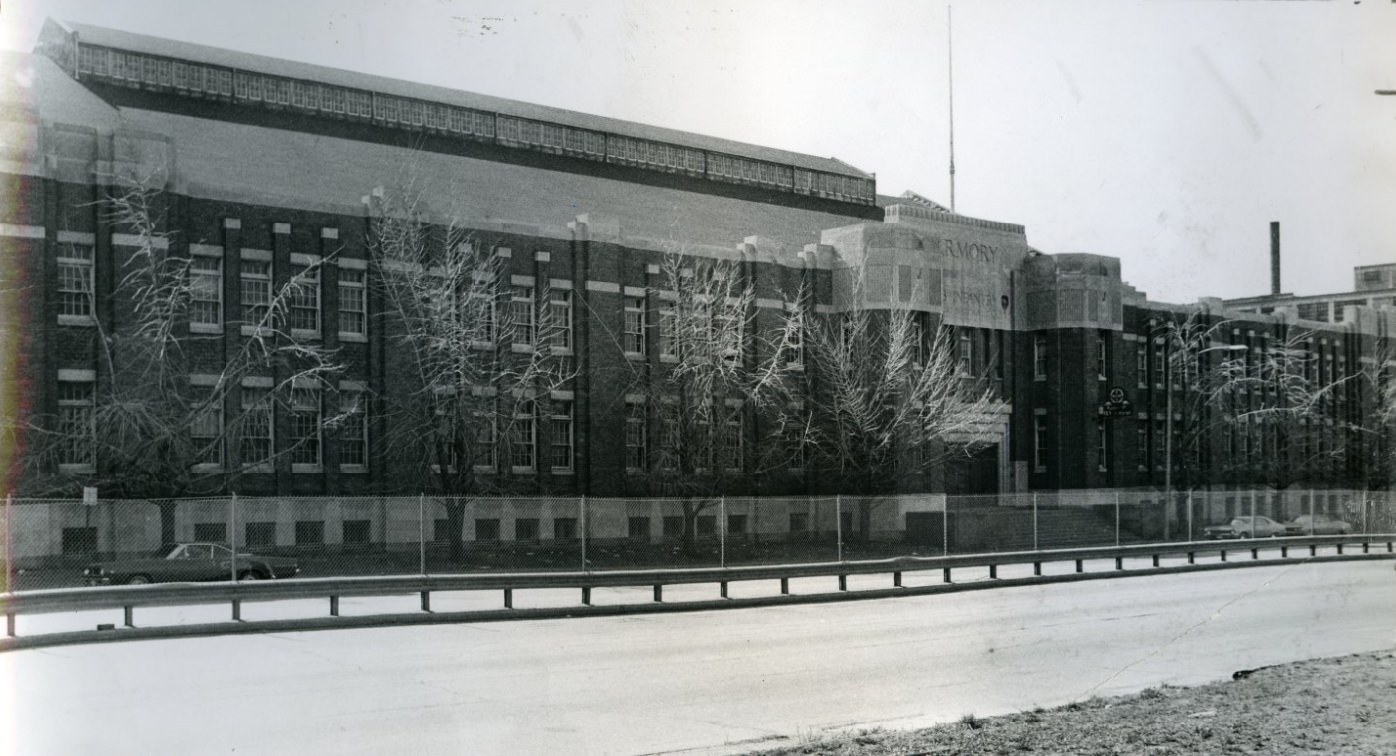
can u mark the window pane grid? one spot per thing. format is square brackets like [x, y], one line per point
[256, 291]
[305, 299]
[75, 263]
[353, 304]
[254, 446]
[206, 291]
[560, 435]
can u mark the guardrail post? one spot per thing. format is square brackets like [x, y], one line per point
[334, 606]
[658, 593]
[1313, 549]
[1191, 555]
[1340, 548]
[785, 586]
[1034, 529]
[722, 588]
[993, 572]
[237, 610]
[1080, 566]
[1155, 560]
[1119, 563]
[1365, 546]
[1037, 568]
[1284, 552]
[1255, 553]
[508, 598]
[426, 601]
[843, 582]
[128, 616]
[586, 595]
[897, 579]
[945, 577]
[582, 523]
[1223, 555]
[10, 624]
[422, 532]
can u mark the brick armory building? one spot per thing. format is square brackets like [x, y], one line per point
[266, 164]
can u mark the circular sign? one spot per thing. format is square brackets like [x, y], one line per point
[1117, 394]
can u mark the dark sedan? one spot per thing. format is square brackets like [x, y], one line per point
[189, 562]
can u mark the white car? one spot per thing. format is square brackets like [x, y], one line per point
[1317, 524]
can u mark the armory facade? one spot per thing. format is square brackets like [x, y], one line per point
[267, 164]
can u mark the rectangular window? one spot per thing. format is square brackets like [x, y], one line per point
[705, 525]
[1160, 450]
[1141, 446]
[673, 526]
[560, 435]
[1160, 355]
[305, 299]
[260, 533]
[526, 529]
[668, 331]
[966, 353]
[75, 270]
[255, 277]
[1039, 442]
[524, 317]
[76, 426]
[211, 532]
[564, 528]
[205, 291]
[523, 438]
[487, 529]
[1102, 356]
[639, 528]
[310, 532]
[305, 429]
[560, 313]
[1141, 366]
[79, 540]
[254, 447]
[736, 524]
[206, 429]
[353, 302]
[633, 341]
[1039, 357]
[356, 531]
[1102, 446]
[732, 444]
[636, 437]
[486, 442]
[799, 522]
[668, 437]
[353, 432]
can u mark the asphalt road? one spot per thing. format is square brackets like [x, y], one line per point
[700, 682]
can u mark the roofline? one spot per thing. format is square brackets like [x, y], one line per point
[284, 68]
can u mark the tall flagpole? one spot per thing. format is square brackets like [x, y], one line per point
[950, 51]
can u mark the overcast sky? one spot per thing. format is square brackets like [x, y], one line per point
[1168, 134]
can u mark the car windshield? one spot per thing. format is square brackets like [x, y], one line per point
[164, 551]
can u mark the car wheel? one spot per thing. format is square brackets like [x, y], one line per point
[138, 580]
[250, 575]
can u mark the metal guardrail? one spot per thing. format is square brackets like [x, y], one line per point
[128, 598]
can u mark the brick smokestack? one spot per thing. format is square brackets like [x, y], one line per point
[1274, 257]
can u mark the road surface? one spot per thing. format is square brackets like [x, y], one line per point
[699, 682]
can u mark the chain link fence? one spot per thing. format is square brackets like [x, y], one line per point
[47, 542]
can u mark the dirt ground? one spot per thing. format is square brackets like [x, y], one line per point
[1343, 705]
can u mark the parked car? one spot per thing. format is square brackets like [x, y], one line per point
[189, 562]
[1317, 524]
[1250, 526]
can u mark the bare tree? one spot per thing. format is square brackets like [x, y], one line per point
[718, 370]
[887, 392]
[474, 359]
[171, 414]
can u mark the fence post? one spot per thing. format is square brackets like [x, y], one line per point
[838, 526]
[722, 530]
[9, 546]
[1311, 511]
[1188, 501]
[582, 523]
[232, 536]
[422, 532]
[1034, 521]
[945, 525]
